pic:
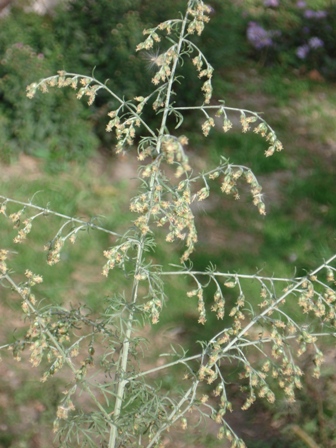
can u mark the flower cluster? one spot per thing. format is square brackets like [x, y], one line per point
[247, 119]
[22, 234]
[198, 62]
[310, 14]
[64, 79]
[271, 3]
[313, 43]
[153, 308]
[63, 410]
[229, 185]
[117, 256]
[294, 34]
[162, 61]
[219, 305]
[54, 250]
[179, 216]
[200, 16]
[3, 264]
[207, 125]
[172, 149]
[124, 127]
[258, 37]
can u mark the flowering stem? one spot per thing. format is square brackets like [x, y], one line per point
[234, 341]
[47, 211]
[171, 81]
[247, 276]
[102, 86]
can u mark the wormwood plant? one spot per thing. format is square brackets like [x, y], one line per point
[125, 405]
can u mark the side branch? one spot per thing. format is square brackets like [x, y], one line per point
[47, 211]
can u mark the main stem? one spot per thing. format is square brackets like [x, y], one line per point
[129, 327]
[125, 350]
[126, 342]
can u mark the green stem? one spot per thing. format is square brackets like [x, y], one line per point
[129, 325]
[125, 350]
[171, 81]
[299, 280]
[165, 366]
[177, 413]
[46, 211]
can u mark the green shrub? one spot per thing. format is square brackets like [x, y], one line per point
[55, 127]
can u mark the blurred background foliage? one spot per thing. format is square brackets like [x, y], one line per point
[54, 127]
[85, 37]
[299, 100]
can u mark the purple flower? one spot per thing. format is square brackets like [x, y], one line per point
[315, 42]
[310, 14]
[271, 3]
[301, 4]
[320, 14]
[301, 52]
[257, 36]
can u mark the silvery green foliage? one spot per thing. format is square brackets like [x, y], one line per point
[127, 408]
